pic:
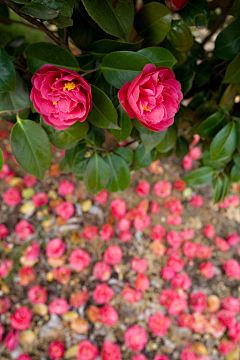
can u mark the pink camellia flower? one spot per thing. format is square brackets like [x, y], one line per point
[5, 305]
[124, 224]
[162, 188]
[232, 268]
[5, 268]
[176, 263]
[56, 350]
[37, 295]
[113, 255]
[29, 180]
[209, 231]
[102, 271]
[58, 306]
[233, 239]
[222, 244]
[131, 295]
[142, 207]
[159, 324]
[3, 232]
[119, 208]
[125, 236]
[24, 357]
[190, 249]
[139, 265]
[207, 270]
[157, 232]
[79, 299]
[197, 201]
[167, 273]
[154, 208]
[32, 252]
[195, 153]
[102, 294]
[61, 96]
[185, 320]
[12, 197]
[231, 303]
[9, 177]
[11, 340]
[102, 197]
[225, 204]
[198, 301]
[226, 346]
[87, 351]
[188, 353]
[106, 232]
[62, 275]
[187, 234]
[187, 162]
[139, 357]
[108, 315]
[141, 282]
[55, 248]
[174, 220]
[179, 185]
[176, 5]
[40, 199]
[26, 276]
[141, 221]
[181, 281]
[79, 259]
[21, 318]
[160, 357]
[153, 97]
[110, 351]
[234, 333]
[135, 338]
[234, 200]
[23, 229]
[65, 188]
[226, 317]
[5, 171]
[174, 239]
[65, 210]
[213, 303]
[143, 188]
[203, 252]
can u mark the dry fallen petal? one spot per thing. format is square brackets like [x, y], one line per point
[80, 326]
[27, 337]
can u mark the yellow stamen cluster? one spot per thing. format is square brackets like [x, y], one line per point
[55, 103]
[145, 108]
[69, 86]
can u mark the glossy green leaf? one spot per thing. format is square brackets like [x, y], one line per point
[97, 174]
[214, 164]
[212, 125]
[225, 142]
[228, 99]
[124, 123]
[233, 71]
[196, 13]
[125, 153]
[64, 167]
[119, 173]
[7, 72]
[142, 157]
[159, 56]
[80, 164]
[1, 160]
[64, 9]
[31, 147]
[218, 188]
[122, 66]
[70, 154]
[235, 11]
[236, 159]
[182, 147]
[227, 44]
[68, 138]
[153, 22]
[226, 187]
[235, 173]
[180, 36]
[103, 113]
[200, 177]
[186, 78]
[151, 139]
[114, 19]
[169, 139]
[204, 110]
[39, 11]
[41, 53]
[16, 46]
[101, 48]
[204, 72]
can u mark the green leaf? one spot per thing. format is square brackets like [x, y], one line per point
[159, 56]
[119, 173]
[212, 125]
[185, 78]
[236, 159]
[235, 11]
[225, 142]
[39, 11]
[7, 72]
[114, 19]
[218, 188]
[80, 164]
[200, 177]
[227, 44]
[226, 187]
[101, 48]
[71, 153]
[169, 140]
[122, 66]
[1, 160]
[125, 153]
[153, 22]
[216, 164]
[64, 167]
[196, 13]
[204, 110]
[235, 173]
[103, 113]
[31, 147]
[16, 46]
[182, 147]
[204, 72]
[180, 36]
[124, 123]
[151, 139]
[228, 98]
[68, 138]
[142, 157]
[41, 53]
[232, 75]
[64, 9]
[13, 100]
[97, 174]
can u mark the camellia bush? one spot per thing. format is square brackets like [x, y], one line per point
[122, 83]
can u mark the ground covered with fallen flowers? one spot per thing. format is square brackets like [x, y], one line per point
[150, 273]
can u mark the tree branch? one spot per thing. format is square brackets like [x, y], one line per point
[35, 22]
[7, 21]
[14, 112]
[90, 71]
